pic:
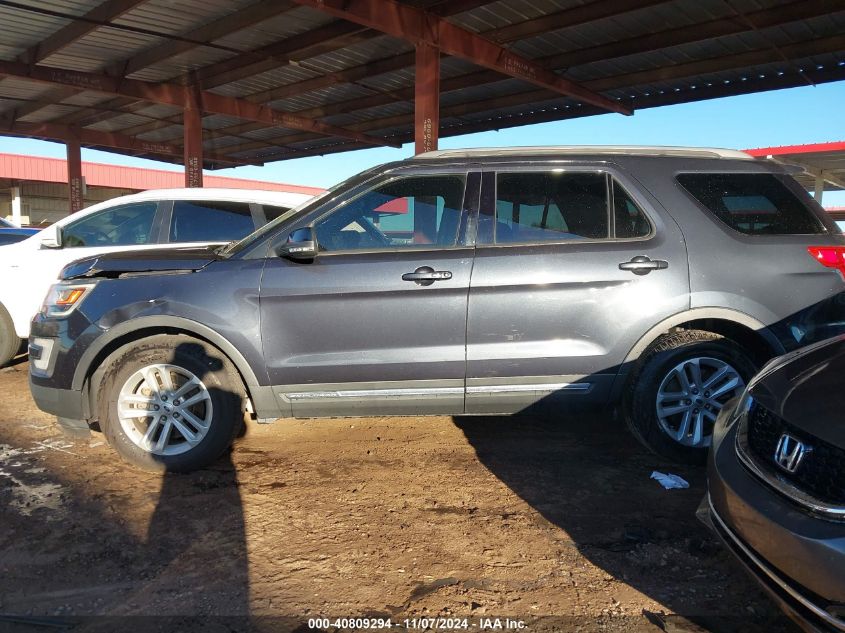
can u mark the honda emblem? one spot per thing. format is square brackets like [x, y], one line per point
[790, 452]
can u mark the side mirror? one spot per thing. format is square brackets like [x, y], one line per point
[51, 237]
[300, 245]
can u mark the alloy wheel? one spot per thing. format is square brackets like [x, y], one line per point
[690, 397]
[165, 409]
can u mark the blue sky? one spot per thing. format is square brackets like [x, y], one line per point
[782, 117]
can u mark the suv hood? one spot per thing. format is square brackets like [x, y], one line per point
[159, 260]
[806, 390]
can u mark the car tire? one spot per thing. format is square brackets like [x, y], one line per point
[10, 343]
[184, 425]
[680, 427]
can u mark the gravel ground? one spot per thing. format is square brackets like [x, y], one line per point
[552, 522]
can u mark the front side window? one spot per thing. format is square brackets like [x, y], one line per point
[124, 225]
[412, 212]
[208, 221]
[754, 204]
[551, 206]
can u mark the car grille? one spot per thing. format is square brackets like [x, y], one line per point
[821, 474]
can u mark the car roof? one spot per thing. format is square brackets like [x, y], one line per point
[587, 150]
[261, 196]
[215, 193]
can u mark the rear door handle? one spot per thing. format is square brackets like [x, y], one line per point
[426, 275]
[642, 265]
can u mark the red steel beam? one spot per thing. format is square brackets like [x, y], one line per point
[427, 98]
[772, 81]
[177, 95]
[74, 172]
[317, 41]
[192, 126]
[801, 9]
[418, 26]
[112, 140]
[562, 19]
[697, 68]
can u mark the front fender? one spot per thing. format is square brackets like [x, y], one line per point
[128, 330]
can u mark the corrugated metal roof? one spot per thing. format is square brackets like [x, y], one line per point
[612, 52]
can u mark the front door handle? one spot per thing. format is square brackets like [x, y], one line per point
[642, 265]
[426, 275]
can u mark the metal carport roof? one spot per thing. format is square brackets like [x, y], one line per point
[287, 79]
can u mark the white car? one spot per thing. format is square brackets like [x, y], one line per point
[161, 218]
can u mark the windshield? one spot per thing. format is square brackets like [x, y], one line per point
[6, 224]
[305, 207]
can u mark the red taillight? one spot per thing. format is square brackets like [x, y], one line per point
[829, 256]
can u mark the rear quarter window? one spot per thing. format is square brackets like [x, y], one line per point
[754, 204]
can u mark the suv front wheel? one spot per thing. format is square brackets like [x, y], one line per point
[171, 403]
[684, 380]
[10, 344]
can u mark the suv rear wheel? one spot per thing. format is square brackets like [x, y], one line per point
[170, 403]
[683, 382]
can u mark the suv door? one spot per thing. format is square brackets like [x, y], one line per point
[573, 265]
[376, 322]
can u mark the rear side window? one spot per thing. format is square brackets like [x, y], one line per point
[555, 206]
[754, 204]
[629, 220]
[551, 206]
[201, 221]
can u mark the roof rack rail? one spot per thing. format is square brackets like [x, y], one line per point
[586, 150]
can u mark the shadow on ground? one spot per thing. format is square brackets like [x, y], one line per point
[589, 477]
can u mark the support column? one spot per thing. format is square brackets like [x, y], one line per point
[819, 193]
[427, 98]
[192, 124]
[17, 215]
[76, 184]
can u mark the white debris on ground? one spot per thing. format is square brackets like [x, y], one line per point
[15, 466]
[669, 481]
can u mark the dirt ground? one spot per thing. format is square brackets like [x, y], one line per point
[553, 522]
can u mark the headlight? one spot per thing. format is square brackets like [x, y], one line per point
[62, 299]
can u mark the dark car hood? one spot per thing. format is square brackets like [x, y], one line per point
[808, 391]
[159, 260]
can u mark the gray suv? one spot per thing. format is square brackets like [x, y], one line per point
[458, 282]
